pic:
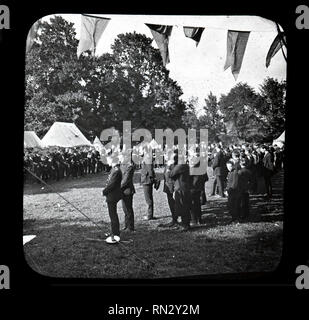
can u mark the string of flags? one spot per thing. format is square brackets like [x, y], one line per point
[236, 42]
[161, 34]
[92, 29]
[236, 46]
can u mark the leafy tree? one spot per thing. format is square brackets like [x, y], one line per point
[212, 119]
[271, 107]
[239, 107]
[143, 91]
[53, 88]
[131, 83]
[189, 118]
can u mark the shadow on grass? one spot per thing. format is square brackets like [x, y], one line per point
[63, 249]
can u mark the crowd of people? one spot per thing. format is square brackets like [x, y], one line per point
[57, 163]
[237, 169]
[237, 172]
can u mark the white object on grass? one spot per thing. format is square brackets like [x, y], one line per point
[112, 240]
[27, 239]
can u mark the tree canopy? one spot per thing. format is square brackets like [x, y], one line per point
[131, 83]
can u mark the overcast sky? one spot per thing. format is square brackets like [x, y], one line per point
[199, 70]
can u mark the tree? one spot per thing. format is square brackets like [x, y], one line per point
[239, 108]
[53, 88]
[131, 83]
[189, 118]
[212, 119]
[271, 107]
[143, 90]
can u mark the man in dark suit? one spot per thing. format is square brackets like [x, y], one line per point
[181, 175]
[113, 194]
[128, 190]
[219, 171]
[168, 188]
[233, 201]
[244, 185]
[147, 180]
[268, 170]
[197, 187]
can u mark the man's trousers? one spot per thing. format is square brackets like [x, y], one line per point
[112, 211]
[127, 206]
[148, 193]
[182, 206]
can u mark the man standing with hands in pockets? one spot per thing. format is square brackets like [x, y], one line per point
[113, 194]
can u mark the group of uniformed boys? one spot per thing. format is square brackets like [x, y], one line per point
[58, 163]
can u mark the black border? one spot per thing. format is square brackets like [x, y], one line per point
[12, 56]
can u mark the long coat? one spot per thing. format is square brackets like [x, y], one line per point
[112, 190]
[127, 186]
[219, 164]
[181, 175]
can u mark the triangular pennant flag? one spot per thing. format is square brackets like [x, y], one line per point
[275, 47]
[31, 36]
[161, 35]
[193, 33]
[92, 29]
[236, 46]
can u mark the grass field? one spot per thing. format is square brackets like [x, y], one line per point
[67, 244]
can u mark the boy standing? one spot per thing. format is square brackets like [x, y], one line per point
[232, 190]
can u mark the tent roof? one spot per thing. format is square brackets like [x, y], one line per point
[31, 140]
[97, 142]
[64, 134]
[281, 138]
[153, 144]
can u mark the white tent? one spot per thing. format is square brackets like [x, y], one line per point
[280, 141]
[64, 134]
[98, 144]
[31, 140]
[154, 144]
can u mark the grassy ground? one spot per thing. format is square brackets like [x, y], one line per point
[67, 244]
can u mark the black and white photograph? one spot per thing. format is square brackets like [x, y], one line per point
[154, 145]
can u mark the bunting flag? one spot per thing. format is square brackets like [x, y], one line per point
[92, 29]
[193, 33]
[31, 36]
[275, 47]
[161, 35]
[236, 46]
